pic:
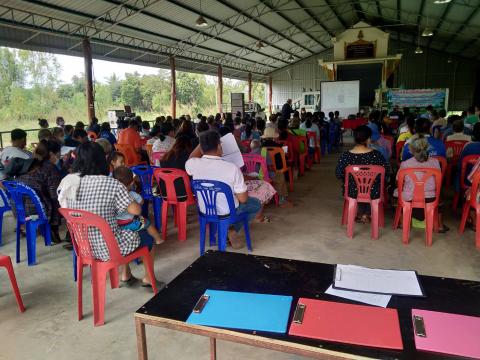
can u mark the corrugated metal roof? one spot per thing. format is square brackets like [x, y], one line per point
[140, 30]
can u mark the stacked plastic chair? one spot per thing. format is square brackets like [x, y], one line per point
[18, 192]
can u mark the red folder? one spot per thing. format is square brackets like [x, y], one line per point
[346, 323]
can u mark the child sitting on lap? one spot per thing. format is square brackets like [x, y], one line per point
[126, 220]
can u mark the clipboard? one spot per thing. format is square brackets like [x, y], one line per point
[243, 311]
[346, 323]
[337, 274]
[446, 333]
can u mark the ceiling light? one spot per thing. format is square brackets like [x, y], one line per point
[291, 58]
[201, 21]
[442, 1]
[427, 32]
[260, 44]
[449, 60]
[418, 50]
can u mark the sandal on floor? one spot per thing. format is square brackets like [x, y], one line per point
[443, 229]
[263, 220]
[129, 282]
[160, 285]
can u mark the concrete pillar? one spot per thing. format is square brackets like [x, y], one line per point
[87, 56]
[220, 89]
[270, 94]
[250, 87]
[173, 90]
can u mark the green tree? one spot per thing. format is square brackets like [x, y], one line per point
[11, 74]
[115, 87]
[188, 88]
[131, 93]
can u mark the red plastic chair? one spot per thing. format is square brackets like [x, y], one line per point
[79, 223]
[156, 157]
[418, 201]
[466, 161]
[301, 156]
[364, 177]
[274, 152]
[312, 137]
[92, 135]
[443, 165]
[398, 150]
[290, 154]
[246, 145]
[6, 262]
[132, 158]
[472, 204]
[251, 162]
[457, 147]
[168, 177]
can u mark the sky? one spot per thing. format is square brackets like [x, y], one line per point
[72, 65]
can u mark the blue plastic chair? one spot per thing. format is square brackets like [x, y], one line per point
[145, 174]
[18, 193]
[208, 191]
[4, 207]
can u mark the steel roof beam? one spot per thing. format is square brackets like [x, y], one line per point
[222, 26]
[284, 54]
[460, 29]
[440, 22]
[271, 6]
[379, 9]
[129, 27]
[332, 9]
[358, 10]
[183, 6]
[287, 19]
[399, 9]
[314, 16]
[16, 18]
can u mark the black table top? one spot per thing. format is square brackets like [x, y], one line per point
[267, 275]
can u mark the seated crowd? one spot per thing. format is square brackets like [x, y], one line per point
[84, 167]
[423, 141]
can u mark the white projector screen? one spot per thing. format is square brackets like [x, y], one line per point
[343, 96]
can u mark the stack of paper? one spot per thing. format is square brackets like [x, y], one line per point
[378, 281]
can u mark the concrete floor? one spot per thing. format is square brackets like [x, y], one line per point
[310, 231]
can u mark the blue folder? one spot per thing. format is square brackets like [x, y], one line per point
[244, 311]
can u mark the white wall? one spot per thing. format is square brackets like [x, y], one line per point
[370, 34]
[288, 82]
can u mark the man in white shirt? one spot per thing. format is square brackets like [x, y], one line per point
[211, 166]
[19, 141]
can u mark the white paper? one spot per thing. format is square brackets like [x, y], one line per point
[367, 298]
[231, 152]
[359, 278]
[64, 150]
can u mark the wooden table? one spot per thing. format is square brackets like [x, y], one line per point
[238, 272]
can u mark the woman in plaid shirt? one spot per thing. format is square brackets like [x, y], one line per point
[91, 189]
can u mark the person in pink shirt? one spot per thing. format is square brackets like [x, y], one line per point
[418, 147]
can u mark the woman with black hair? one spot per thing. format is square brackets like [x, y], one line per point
[91, 189]
[361, 154]
[166, 138]
[250, 132]
[43, 123]
[43, 177]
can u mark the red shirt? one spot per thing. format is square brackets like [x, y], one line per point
[130, 136]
